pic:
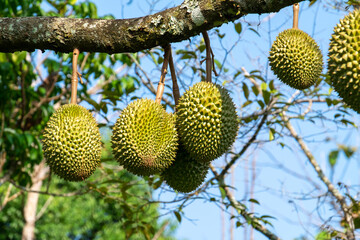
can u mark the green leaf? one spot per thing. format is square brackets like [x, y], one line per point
[333, 156]
[323, 236]
[178, 216]
[245, 90]
[238, 27]
[271, 134]
[254, 201]
[223, 194]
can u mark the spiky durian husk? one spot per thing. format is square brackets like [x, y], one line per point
[296, 59]
[207, 121]
[144, 138]
[72, 143]
[185, 174]
[344, 59]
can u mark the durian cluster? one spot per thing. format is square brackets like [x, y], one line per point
[146, 139]
[297, 60]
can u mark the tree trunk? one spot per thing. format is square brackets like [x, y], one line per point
[39, 174]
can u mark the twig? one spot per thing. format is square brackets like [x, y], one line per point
[213, 63]
[44, 207]
[84, 61]
[251, 140]
[331, 188]
[74, 78]
[208, 56]
[176, 91]
[161, 85]
[241, 209]
[41, 102]
[7, 198]
[160, 231]
[51, 194]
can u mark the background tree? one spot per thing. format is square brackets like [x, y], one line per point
[33, 84]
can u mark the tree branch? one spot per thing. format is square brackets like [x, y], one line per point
[241, 209]
[127, 35]
[331, 188]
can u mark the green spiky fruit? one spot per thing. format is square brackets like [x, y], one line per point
[296, 59]
[72, 143]
[144, 138]
[344, 59]
[185, 174]
[207, 121]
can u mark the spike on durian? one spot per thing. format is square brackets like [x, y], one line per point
[207, 121]
[72, 143]
[144, 138]
[344, 59]
[296, 59]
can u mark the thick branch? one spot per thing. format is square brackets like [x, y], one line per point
[127, 35]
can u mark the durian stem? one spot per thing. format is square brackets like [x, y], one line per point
[208, 56]
[296, 15]
[176, 91]
[74, 78]
[161, 85]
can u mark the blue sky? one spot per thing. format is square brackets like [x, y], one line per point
[277, 189]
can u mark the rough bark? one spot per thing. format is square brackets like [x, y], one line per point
[127, 35]
[37, 178]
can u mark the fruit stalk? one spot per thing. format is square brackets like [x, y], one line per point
[176, 91]
[74, 78]
[161, 85]
[208, 56]
[296, 16]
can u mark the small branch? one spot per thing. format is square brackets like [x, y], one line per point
[9, 199]
[256, 224]
[296, 16]
[23, 93]
[176, 91]
[41, 102]
[331, 188]
[84, 61]
[44, 207]
[213, 63]
[235, 157]
[208, 56]
[161, 85]
[74, 78]
[160, 231]
[50, 194]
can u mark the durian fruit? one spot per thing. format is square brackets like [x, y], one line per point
[344, 59]
[72, 143]
[144, 139]
[185, 174]
[206, 120]
[296, 59]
